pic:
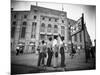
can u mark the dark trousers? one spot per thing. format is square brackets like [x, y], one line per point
[17, 51]
[92, 53]
[87, 54]
[62, 60]
[41, 59]
[49, 57]
[62, 56]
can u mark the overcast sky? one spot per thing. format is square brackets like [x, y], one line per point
[73, 12]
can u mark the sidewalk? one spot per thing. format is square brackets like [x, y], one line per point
[30, 60]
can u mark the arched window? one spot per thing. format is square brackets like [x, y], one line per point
[42, 28]
[55, 26]
[55, 29]
[49, 25]
[42, 25]
[62, 27]
[63, 30]
[24, 23]
[49, 28]
[23, 31]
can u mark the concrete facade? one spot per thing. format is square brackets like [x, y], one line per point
[35, 25]
[39, 23]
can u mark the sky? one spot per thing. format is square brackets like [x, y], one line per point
[74, 11]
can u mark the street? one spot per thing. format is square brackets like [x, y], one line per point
[27, 63]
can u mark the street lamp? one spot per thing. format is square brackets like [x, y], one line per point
[70, 29]
[32, 44]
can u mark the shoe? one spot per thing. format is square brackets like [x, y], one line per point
[63, 65]
[54, 67]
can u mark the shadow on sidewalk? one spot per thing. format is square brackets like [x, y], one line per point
[24, 69]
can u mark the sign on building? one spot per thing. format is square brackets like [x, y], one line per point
[77, 27]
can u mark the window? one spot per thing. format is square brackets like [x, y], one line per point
[63, 30]
[55, 26]
[35, 11]
[49, 25]
[49, 28]
[43, 18]
[42, 36]
[24, 23]
[42, 28]
[14, 23]
[34, 36]
[75, 37]
[80, 35]
[55, 29]
[43, 25]
[12, 32]
[49, 19]
[69, 23]
[25, 16]
[62, 27]
[35, 17]
[62, 21]
[15, 16]
[23, 32]
[34, 23]
[33, 32]
[55, 20]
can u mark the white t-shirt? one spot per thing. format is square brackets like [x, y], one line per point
[60, 41]
[17, 47]
[54, 42]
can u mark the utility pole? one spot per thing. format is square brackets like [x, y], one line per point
[36, 3]
[71, 39]
[83, 28]
[62, 7]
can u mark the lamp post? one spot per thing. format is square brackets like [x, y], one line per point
[71, 37]
[83, 28]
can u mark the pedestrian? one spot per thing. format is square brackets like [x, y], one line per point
[33, 48]
[38, 47]
[73, 51]
[79, 49]
[17, 50]
[92, 52]
[50, 52]
[45, 53]
[42, 54]
[21, 49]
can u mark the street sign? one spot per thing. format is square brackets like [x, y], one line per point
[77, 27]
